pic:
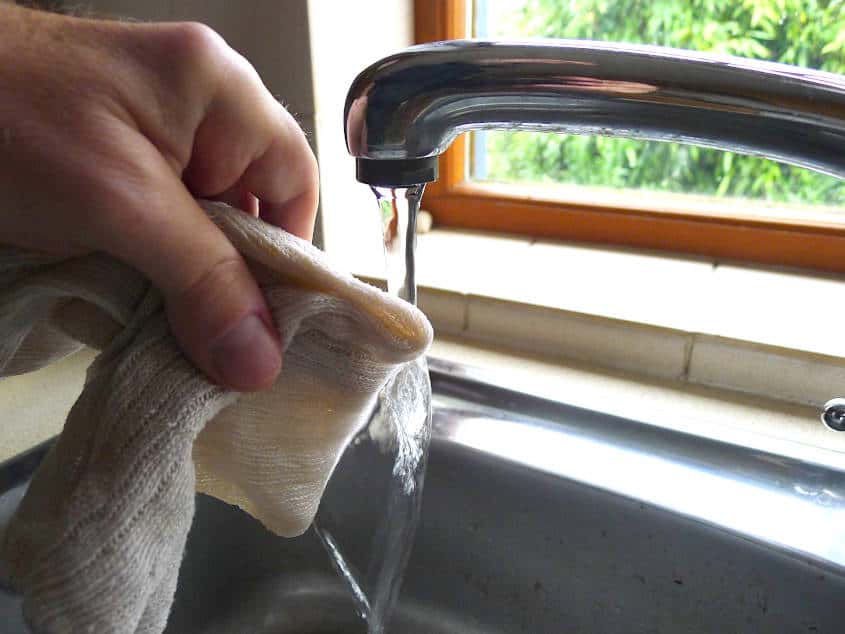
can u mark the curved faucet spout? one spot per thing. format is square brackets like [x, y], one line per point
[404, 111]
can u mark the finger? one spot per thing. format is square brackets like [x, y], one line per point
[214, 305]
[238, 196]
[247, 137]
[286, 181]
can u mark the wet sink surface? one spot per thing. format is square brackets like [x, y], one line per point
[501, 549]
[508, 547]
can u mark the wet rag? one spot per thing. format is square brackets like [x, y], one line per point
[97, 541]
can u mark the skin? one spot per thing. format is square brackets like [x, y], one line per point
[108, 133]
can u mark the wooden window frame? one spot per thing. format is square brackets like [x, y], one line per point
[702, 230]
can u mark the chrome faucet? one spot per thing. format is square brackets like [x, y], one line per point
[404, 111]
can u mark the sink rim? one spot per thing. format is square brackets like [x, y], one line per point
[719, 480]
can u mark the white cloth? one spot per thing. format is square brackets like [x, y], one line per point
[97, 541]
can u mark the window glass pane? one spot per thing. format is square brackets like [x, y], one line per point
[807, 33]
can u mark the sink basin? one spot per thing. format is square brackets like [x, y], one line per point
[541, 517]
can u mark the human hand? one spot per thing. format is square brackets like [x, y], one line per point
[108, 132]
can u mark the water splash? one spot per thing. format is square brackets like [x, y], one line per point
[400, 427]
[406, 408]
[401, 422]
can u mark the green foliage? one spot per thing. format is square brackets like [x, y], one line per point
[801, 32]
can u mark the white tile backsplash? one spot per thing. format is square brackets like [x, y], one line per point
[611, 343]
[777, 372]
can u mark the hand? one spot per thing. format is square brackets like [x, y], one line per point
[108, 132]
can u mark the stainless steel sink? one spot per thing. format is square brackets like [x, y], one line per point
[541, 517]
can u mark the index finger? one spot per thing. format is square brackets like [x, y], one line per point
[285, 179]
[249, 143]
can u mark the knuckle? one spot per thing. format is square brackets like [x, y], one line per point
[311, 177]
[312, 169]
[300, 149]
[219, 290]
[197, 42]
[308, 167]
[189, 56]
[218, 273]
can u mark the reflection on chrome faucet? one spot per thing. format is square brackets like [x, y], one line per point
[404, 111]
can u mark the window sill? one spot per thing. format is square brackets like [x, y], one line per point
[764, 332]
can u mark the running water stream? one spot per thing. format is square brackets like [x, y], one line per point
[401, 428]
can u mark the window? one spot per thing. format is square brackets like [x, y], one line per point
[710, 203]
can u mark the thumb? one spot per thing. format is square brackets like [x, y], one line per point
[215, 308]
[224, 325]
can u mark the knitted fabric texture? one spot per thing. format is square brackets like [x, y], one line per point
[97, 541]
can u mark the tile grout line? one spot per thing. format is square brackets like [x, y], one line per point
[688, 348]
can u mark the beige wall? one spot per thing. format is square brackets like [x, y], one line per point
[272, 34]
[346, 37]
